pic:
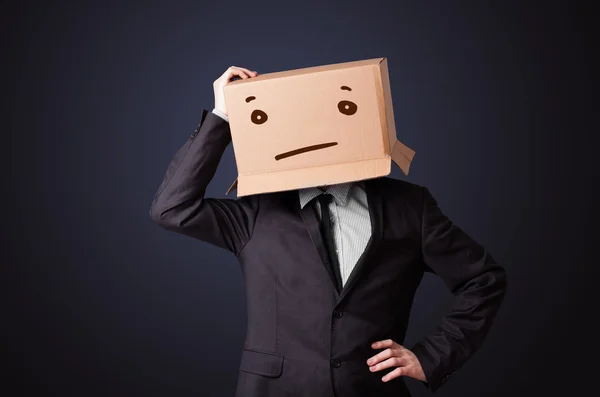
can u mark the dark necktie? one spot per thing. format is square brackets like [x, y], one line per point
[327, 233]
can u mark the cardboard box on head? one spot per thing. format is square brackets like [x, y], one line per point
[313, 126]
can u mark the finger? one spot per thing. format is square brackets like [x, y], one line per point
[394, 374]
[227, 73]
[239, 72]
[387, 353]
[232, 71]
[248, 71]
[381, 344]
[389, 363]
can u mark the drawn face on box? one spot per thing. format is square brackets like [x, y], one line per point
[307, 120]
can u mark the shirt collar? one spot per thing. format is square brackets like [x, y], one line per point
[339, 192]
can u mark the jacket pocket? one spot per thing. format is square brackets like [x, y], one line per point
[261, 362]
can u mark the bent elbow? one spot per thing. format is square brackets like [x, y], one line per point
[503, 281]
[158, 215]
[175, 217]
[497, 287]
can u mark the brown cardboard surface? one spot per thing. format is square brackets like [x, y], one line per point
[313, 126]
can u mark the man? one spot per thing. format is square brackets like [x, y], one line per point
[331, 273]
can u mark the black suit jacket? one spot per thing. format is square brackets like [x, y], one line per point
[303, 338]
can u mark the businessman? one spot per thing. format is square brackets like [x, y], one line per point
[331, 273]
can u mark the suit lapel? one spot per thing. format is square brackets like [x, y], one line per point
[374, 201]
[311, 222]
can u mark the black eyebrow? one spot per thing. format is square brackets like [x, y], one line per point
[345, 87]
[250, 98]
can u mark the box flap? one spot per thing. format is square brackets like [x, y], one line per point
[299, 178]
[402, 155]
[232, 187]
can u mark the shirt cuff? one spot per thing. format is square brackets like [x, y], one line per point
[221, 114]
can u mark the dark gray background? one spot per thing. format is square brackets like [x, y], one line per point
[495, 99]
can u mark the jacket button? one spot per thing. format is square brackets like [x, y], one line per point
[337, 313]
[336, 363]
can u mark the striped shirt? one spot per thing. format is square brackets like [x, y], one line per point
[350, 218]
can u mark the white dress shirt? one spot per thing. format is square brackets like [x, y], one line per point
[351, 221]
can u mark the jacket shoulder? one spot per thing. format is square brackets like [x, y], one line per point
[399, 186]
[399, 192]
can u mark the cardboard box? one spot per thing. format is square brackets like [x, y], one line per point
[313, 126]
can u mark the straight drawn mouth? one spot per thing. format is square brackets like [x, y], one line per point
[304, 150]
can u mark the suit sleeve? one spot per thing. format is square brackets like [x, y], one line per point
[478, 284]
[180, 206]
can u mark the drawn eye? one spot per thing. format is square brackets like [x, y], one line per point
[348, 108]
[258, 116]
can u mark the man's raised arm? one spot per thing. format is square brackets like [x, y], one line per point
[179, 204]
